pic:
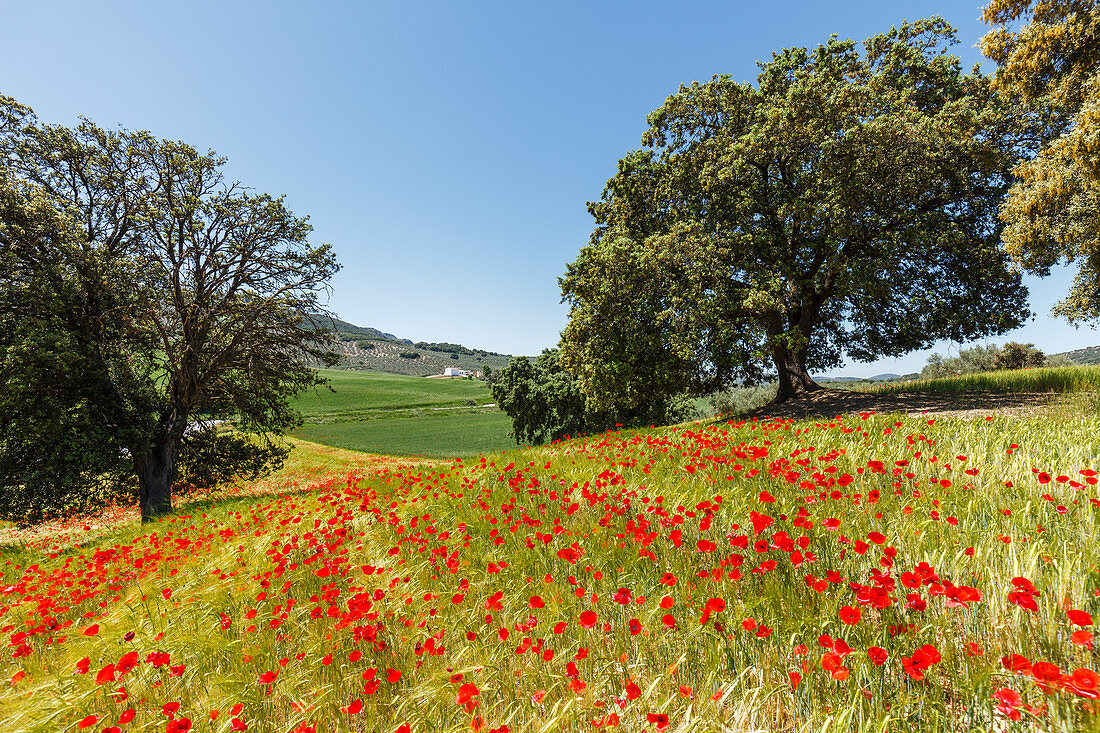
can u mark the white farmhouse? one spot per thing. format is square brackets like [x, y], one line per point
[455, 372]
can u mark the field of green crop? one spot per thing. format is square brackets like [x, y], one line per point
[402, 415]
[460, 435]
[363, 394]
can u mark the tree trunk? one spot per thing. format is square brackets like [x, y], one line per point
[794, 380]
[156, 470]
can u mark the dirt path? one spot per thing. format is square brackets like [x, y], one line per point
[833, 402]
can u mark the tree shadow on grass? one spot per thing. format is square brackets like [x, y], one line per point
[829, 403]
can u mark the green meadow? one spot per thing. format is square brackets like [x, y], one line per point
[402, 415]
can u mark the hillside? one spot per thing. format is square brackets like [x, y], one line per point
[367, 349]
[893, 572]
[1087, 355]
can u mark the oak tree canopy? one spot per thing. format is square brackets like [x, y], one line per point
[844, 204]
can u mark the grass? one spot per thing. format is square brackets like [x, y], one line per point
[465, 434]
[356, 395]
[866, 573]
[742, 576]
[1049, 379]
[401, 415]
[308, 466]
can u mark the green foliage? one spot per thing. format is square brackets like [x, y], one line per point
[1050, 65]
[453, 349]
[975, 359]
[1012, 355]
[1087, 355]
[209, 458]
[546, 403]
[736, 400]
[543, 400]
[1015, 355]
[143, 289]
[1054, 379]
[409, 355]
[845, 204]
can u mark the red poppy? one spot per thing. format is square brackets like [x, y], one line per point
[107, 674]
[1085, 680]
[467, 691]
[1045, 671]
[660, 719]
[1079, 618]
[588, 619]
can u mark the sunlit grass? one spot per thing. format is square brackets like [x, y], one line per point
[1046, 379]
[389, 594]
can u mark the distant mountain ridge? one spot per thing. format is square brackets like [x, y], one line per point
[344, 327]
[877, 378]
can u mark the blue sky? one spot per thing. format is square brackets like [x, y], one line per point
[446, 150]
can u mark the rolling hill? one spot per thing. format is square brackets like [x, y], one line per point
[362, 348]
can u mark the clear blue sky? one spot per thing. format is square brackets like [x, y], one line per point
[446, 150]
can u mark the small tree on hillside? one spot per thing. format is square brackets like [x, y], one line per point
[846, 204]
[1015, 355]
[1012, 355]
[546, 403]
[158, 291]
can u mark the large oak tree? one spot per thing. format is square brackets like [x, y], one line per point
[138, 290]
[844, 205]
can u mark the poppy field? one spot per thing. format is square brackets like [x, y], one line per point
[868, 572]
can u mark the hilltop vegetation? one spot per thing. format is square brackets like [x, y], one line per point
[368, 349]
[1087, 355]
